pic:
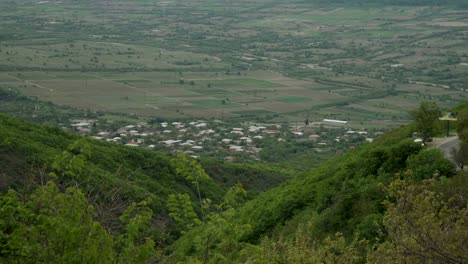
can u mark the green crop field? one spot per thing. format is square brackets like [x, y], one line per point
[282, 61]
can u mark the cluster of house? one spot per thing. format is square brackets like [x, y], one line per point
[214, 137]
[83, 126]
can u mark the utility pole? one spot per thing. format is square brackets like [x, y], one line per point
[449, 117]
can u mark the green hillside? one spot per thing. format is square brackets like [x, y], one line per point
[349, 196]
[137, 172]
[62, 194]
[112, 177]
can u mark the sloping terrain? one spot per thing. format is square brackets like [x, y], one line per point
[114, 175]
[344, 195]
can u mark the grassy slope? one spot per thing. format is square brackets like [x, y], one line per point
[331, 189]
[254, 176]
[126, 174]
[343, 195]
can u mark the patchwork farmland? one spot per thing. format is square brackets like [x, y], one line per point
[281, 62]
[253, 93]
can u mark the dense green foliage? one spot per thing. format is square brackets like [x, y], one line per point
[112, 179]
[110, 175]
[65, 198]
[343, 195]
[430, 163]
[65, 194]
[255, 177]
[462, 125]
[424, 222]
[426, 119]
[51, 226]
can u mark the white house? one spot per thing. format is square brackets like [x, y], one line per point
[237, 132]
[197, 147]
[236, 148]
[103, 134]
[335, 121]
[170, 142]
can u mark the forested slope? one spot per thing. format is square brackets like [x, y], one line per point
[351, 196]
[62, 194]
[110, 177]
[136, 172]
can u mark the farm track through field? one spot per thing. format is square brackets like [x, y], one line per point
[126, 85]
[180, 101]
[351, 100]
[253, 107]
[30, 83]
[139, 90]
[344, 85]
[271, 36]
[394, 48]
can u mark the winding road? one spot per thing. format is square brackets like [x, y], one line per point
[446, 145]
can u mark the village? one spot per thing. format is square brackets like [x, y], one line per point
[227, 140]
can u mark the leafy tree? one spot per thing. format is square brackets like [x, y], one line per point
[460, 154]
[426, 119]
[51, 227]
[72, 161]
[429, 163]
[193, 172]
[423, 226]
[234, 197]
[135, 244]
[181, 210]
[462, 125]
[302, 248]
[215, 239]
